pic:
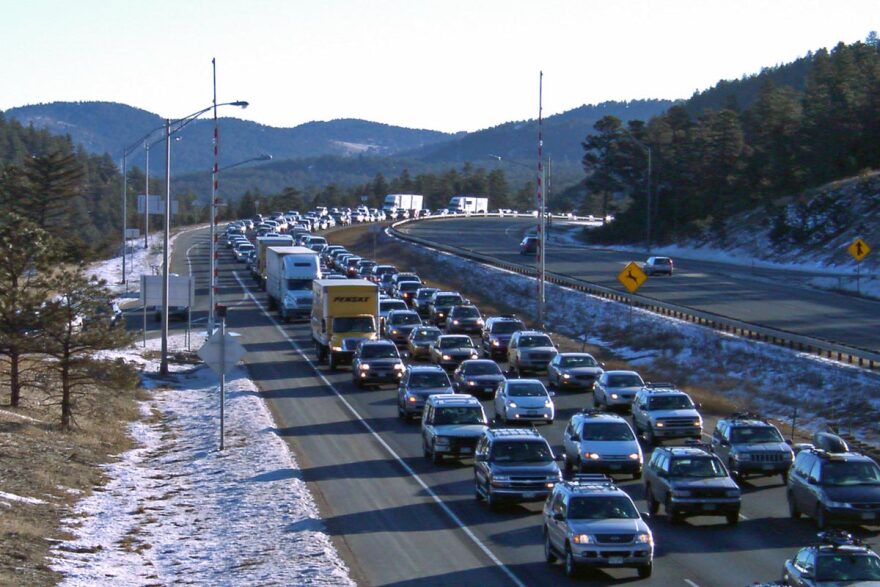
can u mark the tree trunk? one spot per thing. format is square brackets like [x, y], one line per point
[66, 408]
[14, 379]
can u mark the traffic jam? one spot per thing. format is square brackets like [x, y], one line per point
[483, 391]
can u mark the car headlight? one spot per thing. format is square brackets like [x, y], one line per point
[471, 382]
[473, 354]
[837, 504]
[440, 314]
[644, 538]
[479, 321]
[592, 455]
[566, 376]
[681, 493]
[496, 342]
[364, 367]
[394, 331]
[698, 422]
[634, 456]
[732, 493]
[455, 322]
[441, 441]
[788, 455]
[511, 404]
[411, 399]
[615, 396]
[581, 539]
[398, 366]
[447, 358]
[336, 348]
[659, 424]
[548, 403]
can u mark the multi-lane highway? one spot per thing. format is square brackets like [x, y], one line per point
[399, 520]
[775, 298]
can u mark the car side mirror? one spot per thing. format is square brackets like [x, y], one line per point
[812, 481]
[788, 441]
[602, 365]
[551, 393]
[645, 516]
[724, 442]
[558, 517]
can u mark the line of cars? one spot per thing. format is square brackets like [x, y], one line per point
[449, 371]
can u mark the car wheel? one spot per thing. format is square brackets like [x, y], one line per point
[821, 517]
[549, 555]
[637, 475]
[566, 463]
[674, 518]
[784, 476]
[571, 569]
[491, 500]
[649, 437]
[645, 571]
[733, 518]
[436, 457]
[477, 495]
[401, 413]
[793, 512]
[653, 504]
[331, 362]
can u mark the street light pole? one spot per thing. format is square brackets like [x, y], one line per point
[163, 367]
[146, 195]
[124, 211]
[213, 209]
[650, 202]
[541, 203]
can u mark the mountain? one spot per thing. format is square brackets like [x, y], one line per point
[109, 127]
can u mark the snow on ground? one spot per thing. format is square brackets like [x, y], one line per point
[754, 375]
[177, 510]
[5, 498]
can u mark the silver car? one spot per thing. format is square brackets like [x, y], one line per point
[616, 389]
[524, 400]
[529, 351]
[601, 442]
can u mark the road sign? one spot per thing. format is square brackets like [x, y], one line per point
[132, 233]
[156, 205]
[632, 277]
[221, 352]
[859, 249]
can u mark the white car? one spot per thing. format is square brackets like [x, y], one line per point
[524, 400]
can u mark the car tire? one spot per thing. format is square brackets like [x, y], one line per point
[821, 518]
[650, 439]
[331, 362]
[793, 512]
[425, 452]
[733, 518]
[401, 413]
[491, 500]
[645, 570]
[784, 476]
[549, 555]
[636, 476]
[571, 569]
[477, 495]
[653, 504]
[674, 518]
[436, 457]
[566, 464]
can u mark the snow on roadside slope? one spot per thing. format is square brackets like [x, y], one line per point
[177, 510]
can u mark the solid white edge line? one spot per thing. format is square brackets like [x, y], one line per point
[691, 583]
[461, 525]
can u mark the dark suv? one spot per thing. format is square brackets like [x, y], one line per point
[464, 318]
[838, 559]
[497, 332]
[690, 481]
[750, 445]
[834, 488]
[514, 465]
[440, 304]
[376, 362]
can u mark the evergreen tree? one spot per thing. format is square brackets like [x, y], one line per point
[51, 183]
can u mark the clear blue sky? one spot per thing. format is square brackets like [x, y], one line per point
[447, 64]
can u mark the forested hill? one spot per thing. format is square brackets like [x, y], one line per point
[106, 127]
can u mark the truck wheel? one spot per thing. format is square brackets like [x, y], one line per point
[331, 361]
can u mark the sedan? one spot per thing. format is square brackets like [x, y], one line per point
[418, 383]
[419, 341]
[477, 376]
[573, 371]
[523, 400]
[451, 349]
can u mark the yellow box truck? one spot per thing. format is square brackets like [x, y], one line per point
[344, 312]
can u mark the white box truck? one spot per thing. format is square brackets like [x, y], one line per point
[263, 244]
[405, 201]
[468, 205]
[289, 275]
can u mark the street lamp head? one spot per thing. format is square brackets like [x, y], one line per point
[265, 157]
[498, 157]
[241, 104]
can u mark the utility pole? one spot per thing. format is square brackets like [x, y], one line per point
[541, 203]
[146, 195]
[163, 366]
[213, 210]
[124, 211]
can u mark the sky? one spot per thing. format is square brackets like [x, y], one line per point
[448, 65]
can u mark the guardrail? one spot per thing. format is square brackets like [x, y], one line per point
[827, 349]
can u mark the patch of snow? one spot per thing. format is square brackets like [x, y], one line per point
[21, 416]
[177, 510]
[21, 499]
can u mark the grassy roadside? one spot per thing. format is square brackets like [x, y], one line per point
[39, 462]
[357, 239]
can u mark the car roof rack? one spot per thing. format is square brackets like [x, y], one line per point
[594, 412]
[593, 481]
[660, 385]
[747, 415]
[506, 430]
[694, 443]
[837, 538]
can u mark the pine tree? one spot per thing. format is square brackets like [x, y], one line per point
[52, 181]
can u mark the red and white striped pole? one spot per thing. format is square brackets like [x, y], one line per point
[215, 179]
[541, 205]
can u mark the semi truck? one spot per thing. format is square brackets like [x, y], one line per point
[289, 275]
[406, 201]
[468, 205]
[263, 244]
[344, 312]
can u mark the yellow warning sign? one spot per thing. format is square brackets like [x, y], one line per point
[632, 277]
[859, 249]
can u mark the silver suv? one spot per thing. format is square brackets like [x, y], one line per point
[529, 351]
[600, 442]
[591, 522]
[451, 425]
[660, 411]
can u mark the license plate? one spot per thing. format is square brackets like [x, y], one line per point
[615, 560]
[530, 495]
[709, 506]
[614, 467]
[867, 516]
[768, 467]
[465, 450]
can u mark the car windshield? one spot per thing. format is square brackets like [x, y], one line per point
[847, 567]
[426, 380]
[423, 293]
[467, 312]
[406, 319]
[525, 389]
[456, 342]
[388, 305]
[458, 416]
[299, 284]
[448, 300]
[670, 402]
[535, 341]
[700, 467]
[850, 473]
[482, 368]
[521, 452]
[607, 507]
[407, 277]
[754, 435]
[625, 381]
[409, 285]
[578, 361]
[607, 431]
[426, 335]
[379, 351]
[662, 261]
[354, 324]
[507, 327]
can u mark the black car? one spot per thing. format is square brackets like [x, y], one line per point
[440, 305]
[421, 299]
[690, 481]
[529, 245]
[464, 319]
[834, 488]
[376, 362]
[451, 349]
[477, 376]
[750, 445]
[514, 465]
[497, 332]
[838, 559]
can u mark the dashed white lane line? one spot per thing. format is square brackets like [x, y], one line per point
[691, 583]
[455, 519]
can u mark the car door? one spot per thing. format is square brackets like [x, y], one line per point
[570, 440]
[812, 489]
[428, 425]
[499, 402]
[511, 350]
[661, 491]
[805, 567]
[553, 371]
[556, 528]
[481, 461]
[404, 381]
[721, 442]
[639, 410]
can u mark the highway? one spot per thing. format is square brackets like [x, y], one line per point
[399, 520]
[770, 297]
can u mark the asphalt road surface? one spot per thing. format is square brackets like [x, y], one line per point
[399, 520]
[769, 297]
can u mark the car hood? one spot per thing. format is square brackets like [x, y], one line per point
[549, 469]
[625, 526]
[853, 493]
[381, 362]
[458, 351]
[763, 447]
[484, 379]
[610, 447]
[584, 371]
[538, 349]
[687, 413]
[626, 390]
[711, 483]
[426, 391]
[500, 337]
[461, 430]
[528, 401]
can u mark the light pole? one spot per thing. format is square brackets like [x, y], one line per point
[179, 125]
[215, 203]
